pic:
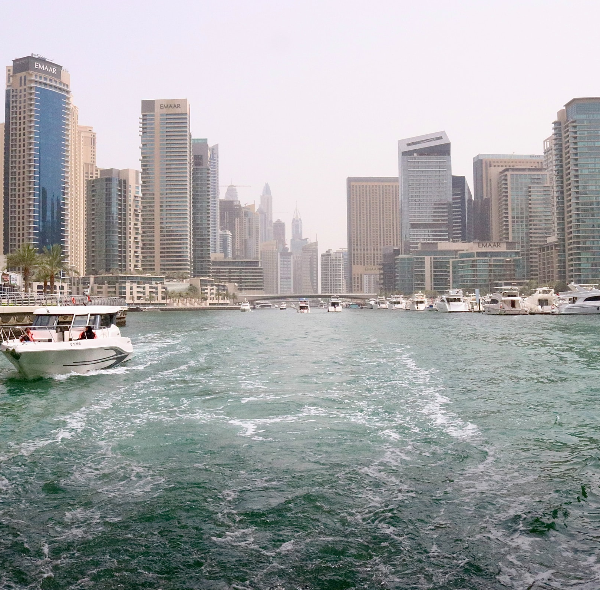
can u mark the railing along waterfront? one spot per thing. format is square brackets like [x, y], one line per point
[41, 300]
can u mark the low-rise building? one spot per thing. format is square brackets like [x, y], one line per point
[134, 289]
[247, 274]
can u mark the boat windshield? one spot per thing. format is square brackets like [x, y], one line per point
[45, 321]
[80, 321]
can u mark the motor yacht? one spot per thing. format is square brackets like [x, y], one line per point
[382, 303]
[303, 306]
[397, 302]
[282, 305]
[580, 299]
[453, 301]
[507, 301]
[334, 304]
[418, 302]
[56, 344]
[542, 301]
[371, 304]
[245, 306]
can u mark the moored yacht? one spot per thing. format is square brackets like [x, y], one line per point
[418, 302]
[382, 303]
[542, 301]
[453, 301]
[303, 306]
[283, 305]
[507, 301]
[371, 304]
[581, 299]
[245, 306]
[334, 304]
[67, 339]
[397, 302]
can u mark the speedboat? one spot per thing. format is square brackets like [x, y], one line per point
[542, 301]
[505, 302]
[453, 301]
[579, 300]
[382, 303]
[282, 305]
[58, 342]
[245, 306]
[418, 302]
[303, 306]
[334, 304]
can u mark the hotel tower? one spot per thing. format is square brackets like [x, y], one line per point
[166, 186]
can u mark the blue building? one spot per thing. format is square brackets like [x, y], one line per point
[36, 155]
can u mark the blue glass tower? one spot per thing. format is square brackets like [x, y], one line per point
[37, 131]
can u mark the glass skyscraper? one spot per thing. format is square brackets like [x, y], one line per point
[36, 161]
[201, 208]
[425, 189]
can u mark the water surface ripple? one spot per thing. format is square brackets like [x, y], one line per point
[367, 449]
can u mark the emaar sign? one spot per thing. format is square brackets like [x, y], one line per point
[36, 64]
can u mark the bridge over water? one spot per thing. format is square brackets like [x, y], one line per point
[252, 298]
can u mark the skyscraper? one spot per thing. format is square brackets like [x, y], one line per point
[297, 242]
[166, 187]
[213, 165]
[333, 272]
[201, 208]
[462, 211]
[266, 214]
[525, 208]
[113, 212]
[279, 233]
[486, 169]
[243, 224]
[36, 162]
[373, 212]
[309, 261]
[577, 177]
[425, 189]
[231, 193]
[269, 260]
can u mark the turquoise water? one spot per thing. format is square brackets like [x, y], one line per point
[275, 450]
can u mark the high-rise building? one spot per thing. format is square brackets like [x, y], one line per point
[213, 165]
[279, 233]
[166, 187]
[266, 214]
[226, 244]
[525, 197]
[309, 262]
[113, 212]
[231, 193]
[37, 138]
[425, 189]
[297, 242]
[462, 211]
[1, 182]
[373, 213]
[201, 208]
[486, 169]
[576, 147]
[243, 223]
[269, 260]
[286, 272]
[82, 168]
[333, 272]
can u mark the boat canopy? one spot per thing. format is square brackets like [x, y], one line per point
[78, 309]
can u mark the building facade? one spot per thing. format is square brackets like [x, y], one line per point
[373, 216]
[246, 274]
[201, 208]
[213, 165]
[425, 170]
[486, 169]
[166, 187]
[113, 222]
[333, 272]
[461, 229]
[37, 136]
[266, 214]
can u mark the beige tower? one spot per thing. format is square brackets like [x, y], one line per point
[373, 222]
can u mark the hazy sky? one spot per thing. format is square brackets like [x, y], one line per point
[303, 94]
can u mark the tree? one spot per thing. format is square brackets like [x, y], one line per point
[27, 259]
[52, 260]
[42, 276]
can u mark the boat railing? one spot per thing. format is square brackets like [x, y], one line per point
[42, 300]
[12, 333]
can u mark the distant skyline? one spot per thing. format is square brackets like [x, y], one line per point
[303, 95]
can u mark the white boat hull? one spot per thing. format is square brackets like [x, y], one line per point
[47, 359]
[577, 308]
[446, 307]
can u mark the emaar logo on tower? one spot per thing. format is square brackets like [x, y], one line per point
[45, 68]
[170, 106]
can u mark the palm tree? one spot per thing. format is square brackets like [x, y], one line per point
[27, 259]
[52, 261]
[42, 276]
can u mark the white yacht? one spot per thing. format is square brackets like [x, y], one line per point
[453, 301]
[283, 305]
[542, 301]
[418, 302]
[334, 304]
[303, 306]
[382, 303]
[245, 306]
[397, 302]
[67, 339]
[372, 304]
[579, 299]
[507, 301]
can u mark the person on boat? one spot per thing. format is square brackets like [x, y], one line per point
[87, 334]
[27, 336]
